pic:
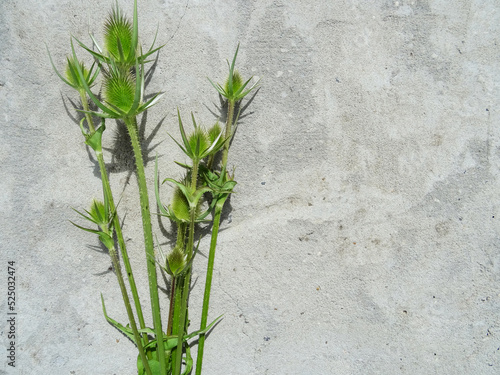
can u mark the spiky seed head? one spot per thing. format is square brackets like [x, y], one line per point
[237, 83]
[176, 261]
[214, 132]
[72, 73]
[199, 141]
[180, 206]
[118, 33]
[119, 90]
[213, 135]
[98, 213]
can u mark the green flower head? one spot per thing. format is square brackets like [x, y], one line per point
[72, 73]
[72, 77]
[119, 90]
[179, 208]
[118, 38]
[234, 88]
[200, 143]
[176, 261]
[121, 41]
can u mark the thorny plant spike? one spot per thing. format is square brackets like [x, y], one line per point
[221, 182]
[118, 68]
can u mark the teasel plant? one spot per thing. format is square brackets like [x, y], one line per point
[220, 180]
[121, 68]
[203, 176]
[118, 70]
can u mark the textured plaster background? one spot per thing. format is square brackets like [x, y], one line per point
[364, 238]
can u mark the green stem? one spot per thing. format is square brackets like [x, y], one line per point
[85, 104]
[121, 243]
[177, 304]
[187, 276]
[181, 233]
[119, 234]
[213, 241]
[131, 124]
[182, 321]
[116, 221]
[208, 286]
[128, 307]
[194, 177]
[171, 308]
[228, 135]
[185, 293]
[178, 280]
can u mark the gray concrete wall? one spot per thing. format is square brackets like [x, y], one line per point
[364, 238]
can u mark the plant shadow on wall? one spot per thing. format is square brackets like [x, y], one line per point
[112, 88]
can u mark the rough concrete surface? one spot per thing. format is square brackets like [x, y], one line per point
[364, 238]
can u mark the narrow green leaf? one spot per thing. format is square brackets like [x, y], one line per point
[56, 71]
[142, 58]
[218, 88]
[201, 218]
[74, 77]
[181, 186]
[194, 121]
[125, 330]
[183, 133]
[135, 32]
[100, 114]
[151, 331]
[169, 342]
[87, 229]
[97, 56]
[93, 78]
[205, 330]
[231, 72]
[180, 146]
[95, 43]
[117, 111]
[234, 58]
[86, 217]
[154, 40]
[139, 87]
[250, 89]
[214, 147]
[183, 165]
[236, 94]
[151, 102]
